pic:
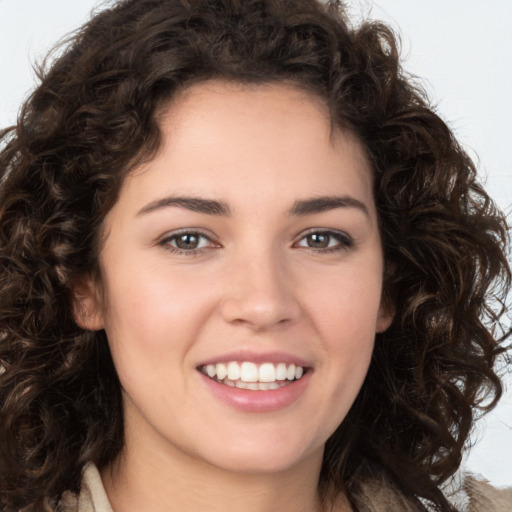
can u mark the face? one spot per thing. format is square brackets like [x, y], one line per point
[241, 280]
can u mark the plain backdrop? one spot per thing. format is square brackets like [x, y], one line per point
[460, 50]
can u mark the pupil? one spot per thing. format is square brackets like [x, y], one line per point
[318, 240]
[187, 242]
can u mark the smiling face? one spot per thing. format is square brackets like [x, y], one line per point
[241, 281]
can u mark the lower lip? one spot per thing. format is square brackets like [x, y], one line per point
[258, 401]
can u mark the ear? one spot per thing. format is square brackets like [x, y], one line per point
[387, 310]
[385, 316]
[87, 304]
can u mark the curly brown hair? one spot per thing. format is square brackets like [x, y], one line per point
[93, 118]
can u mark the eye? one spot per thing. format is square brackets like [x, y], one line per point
[186, 242]
[326, 241]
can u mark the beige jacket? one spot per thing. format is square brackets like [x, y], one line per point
[479, 497]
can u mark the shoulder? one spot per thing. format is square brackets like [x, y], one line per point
[483, 497]
[92, 497]
[378, 494]
[470, 494]
[372, 496]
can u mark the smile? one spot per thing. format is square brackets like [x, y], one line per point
[249, 375]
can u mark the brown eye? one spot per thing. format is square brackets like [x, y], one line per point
[318, 240]
[187, 241]
[326, 241]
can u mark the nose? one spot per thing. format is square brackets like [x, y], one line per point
[260, 293]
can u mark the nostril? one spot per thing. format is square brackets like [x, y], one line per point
[258, 311]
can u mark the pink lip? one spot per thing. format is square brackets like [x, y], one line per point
[258, 358]
[257, 401]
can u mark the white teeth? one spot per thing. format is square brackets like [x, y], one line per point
[265, 376]
[267, 373]
[233, 371]
[253, 386]
[221, 371]
[248, 372]
[281, 371]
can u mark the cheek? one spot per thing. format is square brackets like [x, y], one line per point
[140, 297]
[346, 303]
[152, 319]
[345, 313]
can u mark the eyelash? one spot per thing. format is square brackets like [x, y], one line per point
[166, 242]
[345, 242]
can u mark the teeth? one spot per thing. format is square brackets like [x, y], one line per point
[248, 372]
[281, 371]
[267, 373]
[221, 371]
[233, 371]
[254, 386]
[290, 372]
[248, 375]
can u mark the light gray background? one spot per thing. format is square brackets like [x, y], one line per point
[462, 52]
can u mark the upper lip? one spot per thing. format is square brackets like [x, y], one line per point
[257, 358]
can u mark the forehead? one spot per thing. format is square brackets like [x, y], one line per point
[217, 94]
[225, 138]
[251, 108]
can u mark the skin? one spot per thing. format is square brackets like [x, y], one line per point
[255, 282]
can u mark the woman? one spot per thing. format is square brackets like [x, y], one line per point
[244, 265]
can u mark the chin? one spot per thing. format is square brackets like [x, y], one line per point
[263, 457]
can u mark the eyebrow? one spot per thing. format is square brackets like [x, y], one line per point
[195, 204]
[213, 207]
[325, 203]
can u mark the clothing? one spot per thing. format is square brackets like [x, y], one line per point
[484, 497]
[471, 495]
[92, 498]
[481, 497]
